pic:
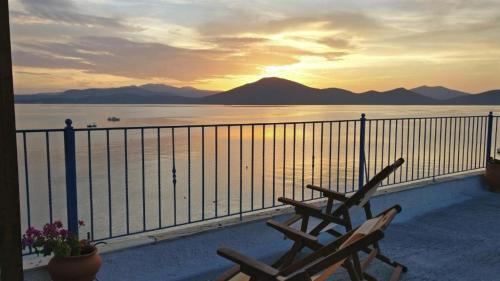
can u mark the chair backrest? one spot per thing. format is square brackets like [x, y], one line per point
[362, 196]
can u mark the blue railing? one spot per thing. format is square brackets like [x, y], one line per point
[129, 180]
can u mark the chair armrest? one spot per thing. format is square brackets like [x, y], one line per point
[310, 210]
[295, 234]
[329, 193]
[248, 265]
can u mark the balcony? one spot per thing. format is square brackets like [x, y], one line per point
[165, 198]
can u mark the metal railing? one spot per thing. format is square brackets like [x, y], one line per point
[130, 180]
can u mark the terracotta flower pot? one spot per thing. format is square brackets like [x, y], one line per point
[492, 175]
[78, 268]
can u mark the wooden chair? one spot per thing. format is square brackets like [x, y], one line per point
[340, 215]
[321, 263]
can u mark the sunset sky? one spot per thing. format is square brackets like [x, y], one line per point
[209, 44]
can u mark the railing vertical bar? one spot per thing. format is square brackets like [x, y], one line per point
[158, 144]
[462, 141]
[189, 172]
[382, 145]
[362, 156]
[228, 170]
[49, 176]
[303, 156]
[110, 207]
[337, 175]
[26, 180]
[216, 170]
[482, 159]
[293, 160]
[241, 172]
[434, 150]
[429, 152]
[395, 147]
[203, 172]
[478, 134]
[346, 156]
[376, 148]
[496, 138]
[125, 140]
[407, 148]
[441, 132]
[263, 163]
[143, 178]
[252, 168]
[91, 195]
[174, 177]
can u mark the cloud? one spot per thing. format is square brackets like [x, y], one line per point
[334, 21]
[122, 57]
[64, 12]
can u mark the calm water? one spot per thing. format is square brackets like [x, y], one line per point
[29, 116]
[283, 158]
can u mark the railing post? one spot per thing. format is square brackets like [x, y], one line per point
[489, 136]
[362, 151]
[70, 165]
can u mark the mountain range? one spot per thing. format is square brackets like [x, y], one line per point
[266, 91]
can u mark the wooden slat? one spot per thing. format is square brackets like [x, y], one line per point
[396, 273]
[369, 259]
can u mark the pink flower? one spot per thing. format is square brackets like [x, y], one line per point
[58, 224]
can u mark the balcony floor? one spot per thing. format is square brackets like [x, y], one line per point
[447, 231]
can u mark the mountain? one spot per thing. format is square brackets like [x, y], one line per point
[266, 91]
[187, 92]
[395, 96]
[125, 95]
[149, 93]
[486, 98]
[438, 92]
[282, 91]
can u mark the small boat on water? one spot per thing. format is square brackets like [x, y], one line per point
[113, 119]
[92, 125]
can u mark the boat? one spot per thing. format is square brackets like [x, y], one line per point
[92, 125]
[113, 119]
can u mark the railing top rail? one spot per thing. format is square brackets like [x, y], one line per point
[241, 124]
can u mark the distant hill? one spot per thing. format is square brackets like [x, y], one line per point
[150, 93]
[486, 98]
[187, 92]
[266, 91]
[282, 91]
[438, 92]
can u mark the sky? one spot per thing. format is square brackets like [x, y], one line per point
[220, 44]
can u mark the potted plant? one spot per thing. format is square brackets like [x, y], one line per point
[492, 175]
[73, 259]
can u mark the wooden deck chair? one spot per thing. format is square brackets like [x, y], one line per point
[321, 263]
[339, 215]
